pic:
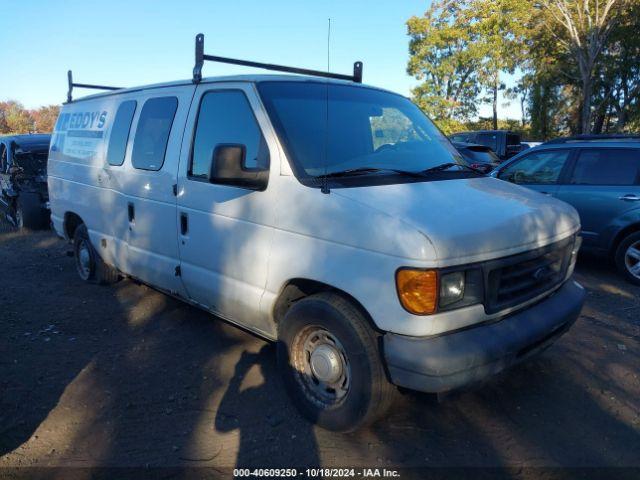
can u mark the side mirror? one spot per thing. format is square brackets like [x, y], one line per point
[227, 167]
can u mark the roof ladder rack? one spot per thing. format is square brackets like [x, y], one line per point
[84, 85]
[201, 57]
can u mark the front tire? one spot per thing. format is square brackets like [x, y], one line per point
[331, 364]
[91, 268]
[628, 257]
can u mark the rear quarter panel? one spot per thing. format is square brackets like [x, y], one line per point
[76, 165]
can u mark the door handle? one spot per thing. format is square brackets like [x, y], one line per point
[630, 198]
[131, 212]
[545, 193]
[184, 223]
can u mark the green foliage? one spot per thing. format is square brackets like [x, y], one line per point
[580, 61]
[445, 57]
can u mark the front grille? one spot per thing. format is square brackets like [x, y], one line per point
[517, 279]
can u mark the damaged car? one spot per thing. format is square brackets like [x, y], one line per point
[23, 180]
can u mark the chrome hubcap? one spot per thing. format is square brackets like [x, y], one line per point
[84, 260]
[321, 366]
[632, 259]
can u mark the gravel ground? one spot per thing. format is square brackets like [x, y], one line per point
[125, 376]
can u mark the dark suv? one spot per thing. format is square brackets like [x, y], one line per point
[480, 157]
[504, 143]
[23, 180]
[600, 177]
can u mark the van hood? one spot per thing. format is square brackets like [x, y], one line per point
[469, 220]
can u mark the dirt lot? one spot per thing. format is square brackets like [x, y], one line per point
[124, 376]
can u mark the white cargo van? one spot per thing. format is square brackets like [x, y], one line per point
[328, 216]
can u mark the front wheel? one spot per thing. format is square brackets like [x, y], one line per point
[628, 257]
[331, 363]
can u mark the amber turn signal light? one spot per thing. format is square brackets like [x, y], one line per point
[417, 290]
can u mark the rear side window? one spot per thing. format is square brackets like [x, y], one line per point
[152, 134]
[226, 117]
[537, 168]
[606, 166]
[120, 132]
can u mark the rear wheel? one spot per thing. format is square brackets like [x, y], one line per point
[91, 268]
[331, 363]
[628, 257]
[29, 213]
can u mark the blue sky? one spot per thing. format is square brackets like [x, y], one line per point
[128, 43]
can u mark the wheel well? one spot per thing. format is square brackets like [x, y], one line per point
[299, 288]
[71, 222]
[635, 227]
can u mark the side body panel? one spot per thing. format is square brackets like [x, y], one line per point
[151, 236]
[224, 252]
[604, 209]
[82, 182]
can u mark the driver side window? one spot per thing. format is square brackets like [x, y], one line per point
[537, 168]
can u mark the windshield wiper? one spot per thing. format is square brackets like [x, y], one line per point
[365, 170]
[352, 172]
[445, 166]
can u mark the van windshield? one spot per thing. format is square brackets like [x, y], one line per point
[327, 128]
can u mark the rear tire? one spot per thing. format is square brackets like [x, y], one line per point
[91, 268]
[331, 364]
[29, 214]
[627, 257]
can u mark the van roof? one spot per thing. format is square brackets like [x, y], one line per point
[256, 78]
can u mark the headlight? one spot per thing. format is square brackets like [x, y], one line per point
[423, 292]
[451, 288]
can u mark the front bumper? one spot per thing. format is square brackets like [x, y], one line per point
[450, 361]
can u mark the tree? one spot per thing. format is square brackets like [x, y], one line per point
[444, 56]
[521, 92]
[621, 68]
[16, 118]
[582, 28]
[500, 32]
[45, 118]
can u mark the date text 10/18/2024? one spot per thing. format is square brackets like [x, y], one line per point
[364, 473]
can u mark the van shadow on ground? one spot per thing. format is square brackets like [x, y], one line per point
[126, 376]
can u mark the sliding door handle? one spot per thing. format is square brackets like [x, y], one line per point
[131, 212]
